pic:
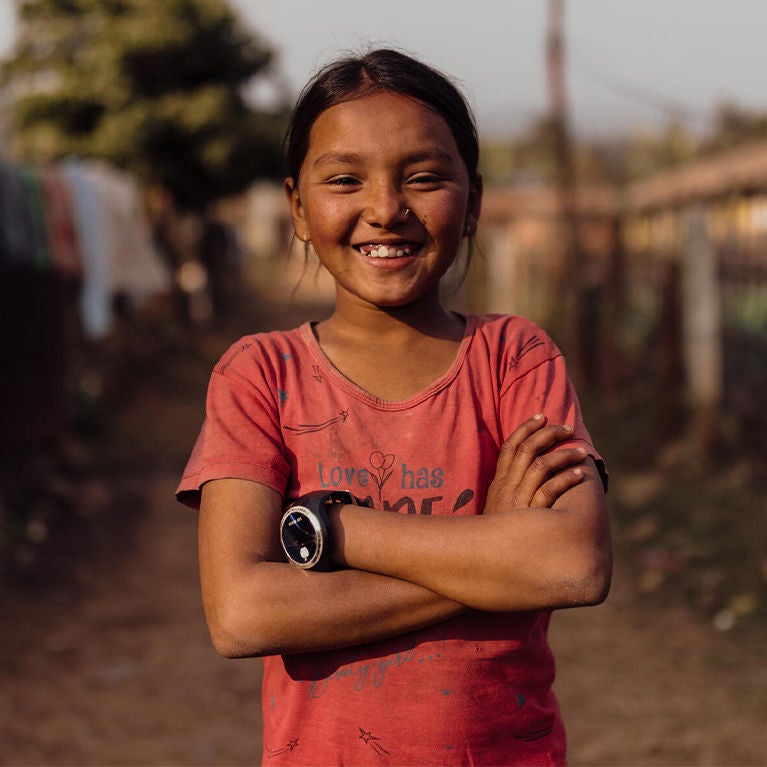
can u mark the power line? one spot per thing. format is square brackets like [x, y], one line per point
[640, 95]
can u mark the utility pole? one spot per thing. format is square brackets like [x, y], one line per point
[573, 316]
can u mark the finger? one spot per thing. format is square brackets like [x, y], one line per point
[543, 468]
[556, 486]
[545, 439]
[525, 430]
[529, 450]
[511, 444]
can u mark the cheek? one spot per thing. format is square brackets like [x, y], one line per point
[329, 220]
[447, 216]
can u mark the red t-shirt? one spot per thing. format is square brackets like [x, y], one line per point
[475, 689]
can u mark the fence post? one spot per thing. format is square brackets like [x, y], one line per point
[701, 327]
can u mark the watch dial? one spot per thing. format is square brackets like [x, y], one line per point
[300, 539]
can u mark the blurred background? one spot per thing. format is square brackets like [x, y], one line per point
[143, 229]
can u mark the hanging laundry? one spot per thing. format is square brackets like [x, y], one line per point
[136, 267]
[63, 243]
[40, 253]
[17, 226]
[95, 296]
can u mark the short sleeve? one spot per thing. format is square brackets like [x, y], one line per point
[535, 380]
[241, 436]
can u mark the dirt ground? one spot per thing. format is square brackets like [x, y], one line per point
[111, 664]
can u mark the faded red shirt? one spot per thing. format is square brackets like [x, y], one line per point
[472, 690]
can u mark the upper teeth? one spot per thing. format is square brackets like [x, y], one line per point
[382, 251]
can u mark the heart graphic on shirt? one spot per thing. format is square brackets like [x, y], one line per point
[381, 462]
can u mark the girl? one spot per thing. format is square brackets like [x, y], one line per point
[416, 637]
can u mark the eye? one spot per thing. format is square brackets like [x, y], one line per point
[425, 179]
[344, 181]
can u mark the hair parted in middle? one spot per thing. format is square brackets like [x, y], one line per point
[382, 69]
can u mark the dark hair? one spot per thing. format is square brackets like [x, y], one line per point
[387, 70]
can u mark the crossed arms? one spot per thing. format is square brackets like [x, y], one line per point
[542, 542]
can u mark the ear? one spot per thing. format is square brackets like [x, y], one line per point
[300, 225]
[474, 206]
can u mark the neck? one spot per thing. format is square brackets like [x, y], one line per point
[427, 317]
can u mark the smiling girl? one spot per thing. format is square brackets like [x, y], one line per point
[393, 499]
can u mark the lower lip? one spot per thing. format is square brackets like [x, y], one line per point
[388, 263]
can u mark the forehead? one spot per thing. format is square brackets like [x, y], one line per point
[379, 123]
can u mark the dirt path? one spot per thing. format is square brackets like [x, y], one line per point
[114, 667]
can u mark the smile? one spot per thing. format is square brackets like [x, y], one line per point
[386, 251]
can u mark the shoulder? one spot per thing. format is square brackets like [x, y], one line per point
[264, 353]
[513, 348]
[518, 342]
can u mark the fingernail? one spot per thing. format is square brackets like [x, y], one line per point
[567, 427]
[538, 417]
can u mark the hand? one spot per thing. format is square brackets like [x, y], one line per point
[528, 472]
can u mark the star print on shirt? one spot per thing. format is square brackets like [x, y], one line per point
[224, 365]
[289, 746]
[371, 740]
[532, 343]
[310, 428]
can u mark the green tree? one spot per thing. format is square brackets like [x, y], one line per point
[156, 87]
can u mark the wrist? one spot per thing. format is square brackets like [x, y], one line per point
[307, 529]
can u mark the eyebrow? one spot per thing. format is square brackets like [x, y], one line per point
[350, 158]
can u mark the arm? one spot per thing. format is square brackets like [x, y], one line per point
[543, 541]
[528, 558]
[256, 604]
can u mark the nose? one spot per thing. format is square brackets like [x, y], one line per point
[385, 206]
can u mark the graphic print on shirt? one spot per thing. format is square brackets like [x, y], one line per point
[359, 673]
[380, 470]
[531, 343]
[289, 746]
[382, 466]
[310, 428]
[232, 357]
[366, 736]
[532, 735]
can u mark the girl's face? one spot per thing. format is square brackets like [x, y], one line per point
[385, 198]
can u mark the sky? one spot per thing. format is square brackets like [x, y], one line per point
[630, 64]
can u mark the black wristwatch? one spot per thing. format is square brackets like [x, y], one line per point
[304, 530]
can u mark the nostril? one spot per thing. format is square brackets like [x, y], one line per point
[385, 210]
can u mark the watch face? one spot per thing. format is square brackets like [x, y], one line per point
[301, 537]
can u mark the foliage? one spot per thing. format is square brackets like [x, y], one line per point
[158, 88]
[525, 160]
[736, 125]
[529, 158]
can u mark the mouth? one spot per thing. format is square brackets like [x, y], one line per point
[387, 250]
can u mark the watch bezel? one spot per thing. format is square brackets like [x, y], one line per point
[312, 506]
[320, 535]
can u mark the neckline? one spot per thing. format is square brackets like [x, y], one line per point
[364, 395]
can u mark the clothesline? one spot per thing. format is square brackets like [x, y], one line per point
[86, 221]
